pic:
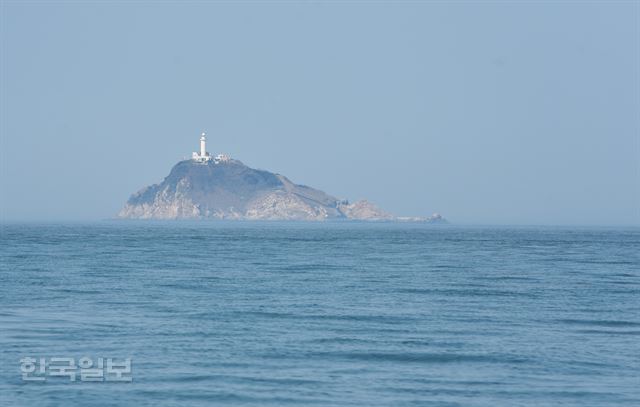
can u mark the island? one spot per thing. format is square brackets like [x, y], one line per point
[220, 187]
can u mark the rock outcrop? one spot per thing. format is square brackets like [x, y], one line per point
[232, 190]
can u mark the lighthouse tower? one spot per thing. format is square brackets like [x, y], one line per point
[203, 156]
[203, 145]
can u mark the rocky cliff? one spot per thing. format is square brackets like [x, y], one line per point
[232, 190]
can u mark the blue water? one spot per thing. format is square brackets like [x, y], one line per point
[273, 314]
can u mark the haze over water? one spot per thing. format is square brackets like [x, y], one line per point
[488, 112]
[324, 314]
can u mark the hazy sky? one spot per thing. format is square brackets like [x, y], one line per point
[496, 112]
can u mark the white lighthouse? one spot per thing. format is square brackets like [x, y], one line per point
[203, 156]
[203, 144]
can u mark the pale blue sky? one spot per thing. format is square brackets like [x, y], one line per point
[509, 113]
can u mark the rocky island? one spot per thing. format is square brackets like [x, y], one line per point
[208, 187]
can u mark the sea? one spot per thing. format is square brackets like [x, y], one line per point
[133, 313]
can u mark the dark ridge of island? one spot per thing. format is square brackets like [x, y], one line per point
[224, 188]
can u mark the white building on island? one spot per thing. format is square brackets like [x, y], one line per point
[204, 157]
